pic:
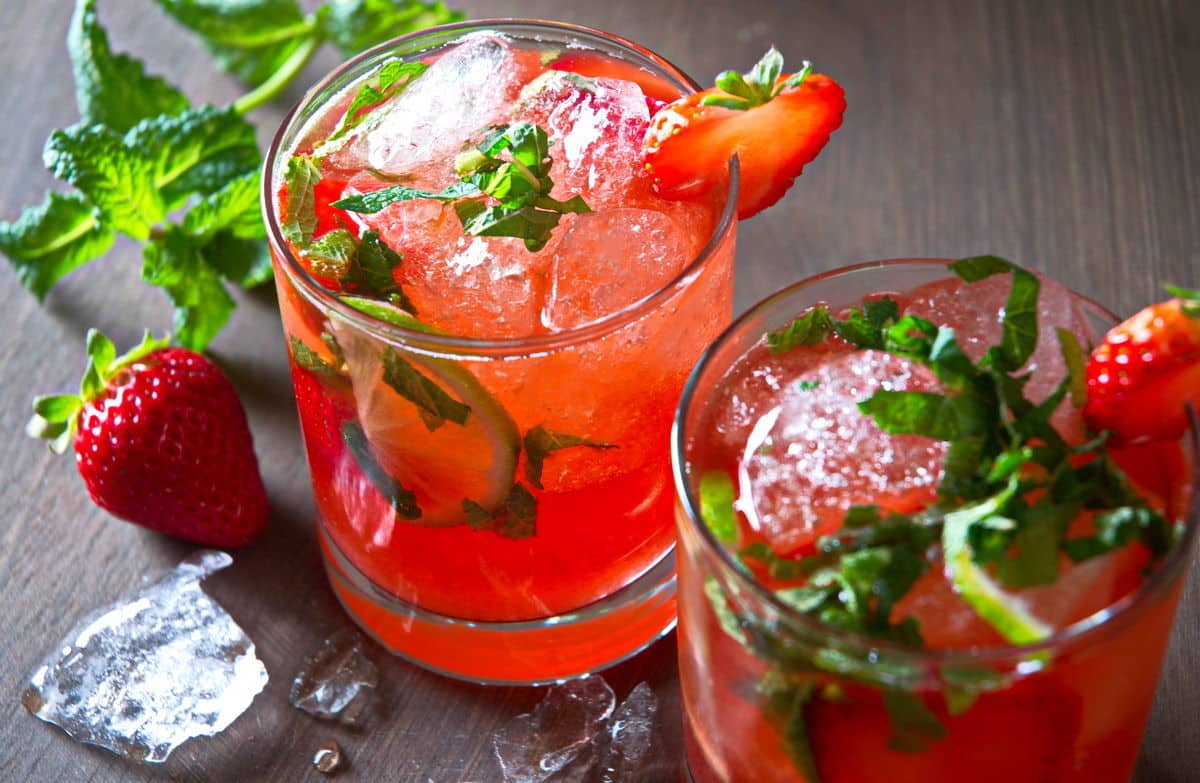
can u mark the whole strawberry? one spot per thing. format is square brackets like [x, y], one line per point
[1141, 378]
[161, 441]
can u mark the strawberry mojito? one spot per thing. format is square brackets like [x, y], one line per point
[921, 540]
[490, 315]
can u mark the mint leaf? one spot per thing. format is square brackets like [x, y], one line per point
[726, 617]
[391, 79]
[434, 405]
[864, 327]
[1076, 365]
[914, 726]
[786, 699]
[376, 264]
[252, 39]
[926, 413]
[246, 262]
[976, 268]
[354, 25]
[377, 200]
[717, 495]
[403, 501]
[308, 359]
[48, 242]
[778, 567]
[197, 152]
[1038, 542]
[300, 206]
[113, 89]
[202, 306]
[333, 255]
[234, 208]
[541, 442]
[809, 329]
[114, 177]
[527, 223]
[519, 520]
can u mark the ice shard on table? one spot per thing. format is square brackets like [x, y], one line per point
[630, 736]
[337, 681]
[149, 672]
[535, 746]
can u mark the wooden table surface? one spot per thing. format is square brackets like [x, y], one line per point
[1062, 134]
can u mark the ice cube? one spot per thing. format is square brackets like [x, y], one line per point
[535, 746]
[815, 454]
[143, 675]
[596, 127]
[468, 87]
[337, 681]
[976, 313]
[608, 260]
[630, 735]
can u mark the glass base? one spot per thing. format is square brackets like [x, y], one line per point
[528, 652]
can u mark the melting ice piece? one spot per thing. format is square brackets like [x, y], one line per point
[816, 454]
[629, 737]
[466, 89]
[535, 746]
[336, 682]
[596, 127]
[608, 260]
[143, 675]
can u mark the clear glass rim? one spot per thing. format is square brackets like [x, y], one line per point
[1108, 620]
[490, 347]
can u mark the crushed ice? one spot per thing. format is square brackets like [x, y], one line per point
[147, 673]
[578, 734]
[337, 681]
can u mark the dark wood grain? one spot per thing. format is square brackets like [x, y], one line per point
[1064, 134]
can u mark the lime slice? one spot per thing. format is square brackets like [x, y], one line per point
[431, 424]
[1001, 610]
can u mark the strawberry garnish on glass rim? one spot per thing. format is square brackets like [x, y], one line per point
[775, 123]
[1145, 372]
[161, 440]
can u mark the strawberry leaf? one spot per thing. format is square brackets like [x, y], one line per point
[113, 89]
[49, 242]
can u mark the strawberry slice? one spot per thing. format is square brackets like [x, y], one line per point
[1145, 372]
[774, 123]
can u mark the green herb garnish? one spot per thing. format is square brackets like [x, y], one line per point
[761, 84]
[140, 151]
[540, 443]
[511, 166]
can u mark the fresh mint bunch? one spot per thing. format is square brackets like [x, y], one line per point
[266, 43]
[141, 154]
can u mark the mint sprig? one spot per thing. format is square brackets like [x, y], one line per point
[511, 167]
[141, 151]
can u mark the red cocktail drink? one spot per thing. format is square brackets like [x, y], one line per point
[490, 317]
[903, 556]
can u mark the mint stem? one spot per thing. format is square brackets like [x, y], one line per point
[268, 90]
